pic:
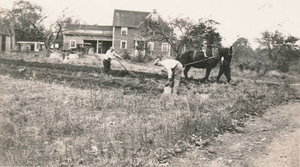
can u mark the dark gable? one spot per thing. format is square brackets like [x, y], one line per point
[4, 30]
[125, 18]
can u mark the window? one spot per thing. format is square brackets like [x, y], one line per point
[139, 45]
[165, 47]
[54, 46]
[123, 45]
[151, 45]
[124, 30]
[150, 33]
[154, 17]
[72, 44]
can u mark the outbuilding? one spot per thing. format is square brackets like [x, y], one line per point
[5, 39]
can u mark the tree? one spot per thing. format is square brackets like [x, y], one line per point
[275, 43]
[242, 49]
[27, 22]
[50, 35]
[20, 19]
[205, 29]
[176, 32]
[281, 50]
[244, 56]
[180, 32]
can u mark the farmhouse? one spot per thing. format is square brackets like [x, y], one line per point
[127, 33]
[124, 35]
[5, 39]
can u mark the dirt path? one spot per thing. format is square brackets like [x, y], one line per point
[283, 151]
[268, 141]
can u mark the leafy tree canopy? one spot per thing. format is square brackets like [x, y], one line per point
[206, 30]
[281, 50]
[180, 32]
[27, 23]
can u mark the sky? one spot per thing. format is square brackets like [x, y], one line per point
[237, 18]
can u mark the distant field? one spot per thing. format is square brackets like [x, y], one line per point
[95, 61]
[56, 114]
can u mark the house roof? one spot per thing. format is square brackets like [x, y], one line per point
[4, 30]
[30, 42]
[87, 27]
[126, 18]
[87, 33]
[87, 30]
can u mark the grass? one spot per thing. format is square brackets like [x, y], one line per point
[48, 124]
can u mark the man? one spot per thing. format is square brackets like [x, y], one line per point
[110, 54]
[225, 66]
[174, 69]
[204, 48]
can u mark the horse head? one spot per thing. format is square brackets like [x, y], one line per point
[225, 55]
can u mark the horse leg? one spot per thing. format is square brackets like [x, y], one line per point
[205, 79]
[186, 70]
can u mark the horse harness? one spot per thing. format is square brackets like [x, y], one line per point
[194, 55]
[194, 62]
[199, 61]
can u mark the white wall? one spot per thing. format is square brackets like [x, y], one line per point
[8, 44]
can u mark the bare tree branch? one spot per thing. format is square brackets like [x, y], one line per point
[56, 37]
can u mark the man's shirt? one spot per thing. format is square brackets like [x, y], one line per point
[169, 64]
[109, 54]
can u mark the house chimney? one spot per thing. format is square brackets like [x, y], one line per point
[154, 10]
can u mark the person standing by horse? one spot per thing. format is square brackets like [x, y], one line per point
[225, 66]
[204, 48]
[110, 54]
[174, 69]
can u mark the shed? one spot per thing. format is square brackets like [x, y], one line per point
[5, 39]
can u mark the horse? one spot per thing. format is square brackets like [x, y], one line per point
[197, 59]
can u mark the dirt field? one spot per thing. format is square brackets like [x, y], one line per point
[79, 76]
[150, 79]
[76, 115]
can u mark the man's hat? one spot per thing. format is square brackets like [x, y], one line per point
[156, 61]
[112, 48]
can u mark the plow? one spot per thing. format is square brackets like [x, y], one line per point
[126, 70]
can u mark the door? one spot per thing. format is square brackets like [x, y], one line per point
[31, 47]
[93, 44]
[106, 46]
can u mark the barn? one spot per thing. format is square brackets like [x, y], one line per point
[30, 46]
[98, 37]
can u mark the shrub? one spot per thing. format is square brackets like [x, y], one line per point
[125, 55]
